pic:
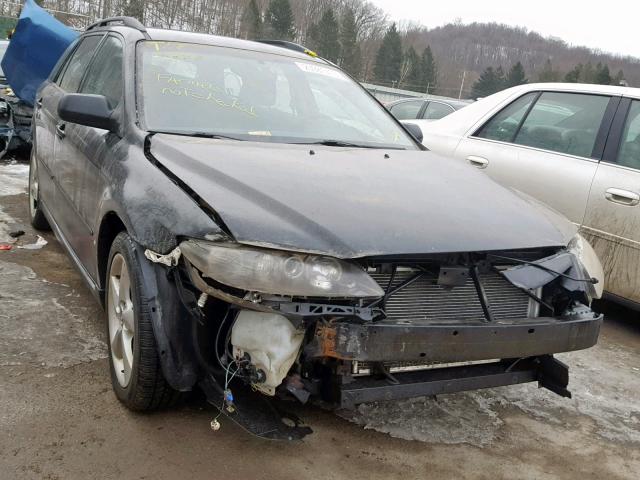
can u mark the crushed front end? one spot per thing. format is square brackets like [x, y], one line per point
[338, 333]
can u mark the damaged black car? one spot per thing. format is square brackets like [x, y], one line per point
[257, 225]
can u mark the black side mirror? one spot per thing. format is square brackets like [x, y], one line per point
[414, 130]
[87, 109]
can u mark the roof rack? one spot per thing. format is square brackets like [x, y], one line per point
[126, 21]
[290, 45]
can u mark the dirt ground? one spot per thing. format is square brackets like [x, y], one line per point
[60, 420]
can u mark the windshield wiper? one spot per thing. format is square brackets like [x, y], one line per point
[337, 143]
[202, 135]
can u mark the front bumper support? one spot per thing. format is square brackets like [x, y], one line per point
[546, 370]
[392, 342]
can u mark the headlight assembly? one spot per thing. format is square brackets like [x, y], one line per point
[278, 272]
[583, 250]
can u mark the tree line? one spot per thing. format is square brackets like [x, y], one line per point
[359, 37]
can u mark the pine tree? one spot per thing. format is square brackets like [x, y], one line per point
[516, 76]
[548, 74]
[618, 79]
[490, 82]
[279, 20]
[323, 36]
[413, 67]
[429, 70]
[574, 75]
[252, 21]
[389, 57]
[602, 75]
[588, 74]
[351, 57]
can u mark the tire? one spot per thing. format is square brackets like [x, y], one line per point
[136, 374]
[36, 215]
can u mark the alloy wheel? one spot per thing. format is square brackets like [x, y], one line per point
[121, 319]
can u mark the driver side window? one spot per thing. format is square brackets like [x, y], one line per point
[504, 126]
[105, 74]
[74, 70]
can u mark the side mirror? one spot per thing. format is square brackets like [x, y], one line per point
[87, 109]
[414, 130]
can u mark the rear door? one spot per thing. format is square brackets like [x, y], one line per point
[612, 221]
[545, 144]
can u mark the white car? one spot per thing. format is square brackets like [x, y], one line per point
[574, 147]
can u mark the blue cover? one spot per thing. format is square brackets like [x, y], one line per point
[35, 47]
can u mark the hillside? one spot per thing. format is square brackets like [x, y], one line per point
[473, 47]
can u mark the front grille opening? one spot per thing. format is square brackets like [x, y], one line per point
[424, 301]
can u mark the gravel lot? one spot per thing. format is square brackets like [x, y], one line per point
[60, 420]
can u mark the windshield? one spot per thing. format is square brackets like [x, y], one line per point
[202, 89]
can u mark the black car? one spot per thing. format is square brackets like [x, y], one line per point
[255, 223]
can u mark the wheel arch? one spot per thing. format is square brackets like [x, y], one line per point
[110, 226]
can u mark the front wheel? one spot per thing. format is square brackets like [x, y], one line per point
[136, 374]
[38, 220]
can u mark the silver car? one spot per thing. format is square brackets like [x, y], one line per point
[574, 147]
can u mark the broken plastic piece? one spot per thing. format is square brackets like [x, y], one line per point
[5, 247]
[170, 259]
[39, 243]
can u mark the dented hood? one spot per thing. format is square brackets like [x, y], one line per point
[353, 202]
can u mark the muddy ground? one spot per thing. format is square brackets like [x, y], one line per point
[60, 420]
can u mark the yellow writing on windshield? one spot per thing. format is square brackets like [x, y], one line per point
[209, 97]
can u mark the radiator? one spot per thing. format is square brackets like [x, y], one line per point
[424, 301]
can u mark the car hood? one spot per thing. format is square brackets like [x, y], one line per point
[355, 202]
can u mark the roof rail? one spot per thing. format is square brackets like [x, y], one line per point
[126, 21]
[290, 45]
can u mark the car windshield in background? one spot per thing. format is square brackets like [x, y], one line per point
[207, 90]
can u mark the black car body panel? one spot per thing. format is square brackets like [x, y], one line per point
[354, 202]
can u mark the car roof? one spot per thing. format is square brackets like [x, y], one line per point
[457, 104]
[164, 35]
[580, 87]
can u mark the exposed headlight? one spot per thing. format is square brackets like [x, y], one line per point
[278, 272]
[583, 250]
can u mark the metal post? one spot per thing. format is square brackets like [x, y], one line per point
[464, 74]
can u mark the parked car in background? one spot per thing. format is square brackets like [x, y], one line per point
[424, 108]
[574, 147]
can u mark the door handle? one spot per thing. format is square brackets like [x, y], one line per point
[60, 130]
[479, 162]
[623, 197]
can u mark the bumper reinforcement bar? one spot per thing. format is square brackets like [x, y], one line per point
[549, 372]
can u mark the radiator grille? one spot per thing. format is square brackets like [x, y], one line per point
[424, 301]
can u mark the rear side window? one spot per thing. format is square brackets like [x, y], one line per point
[504, 126]
[436, 110]
[105, 74]
[77, 64]
[407, 110]
[629, 155]
[564, 123]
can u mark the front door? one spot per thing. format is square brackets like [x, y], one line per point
[80, 151]
[612, 222]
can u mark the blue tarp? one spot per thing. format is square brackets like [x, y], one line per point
[35, 47]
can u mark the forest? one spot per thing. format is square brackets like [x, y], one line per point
[468, 60]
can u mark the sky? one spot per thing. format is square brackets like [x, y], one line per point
[611, 29]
